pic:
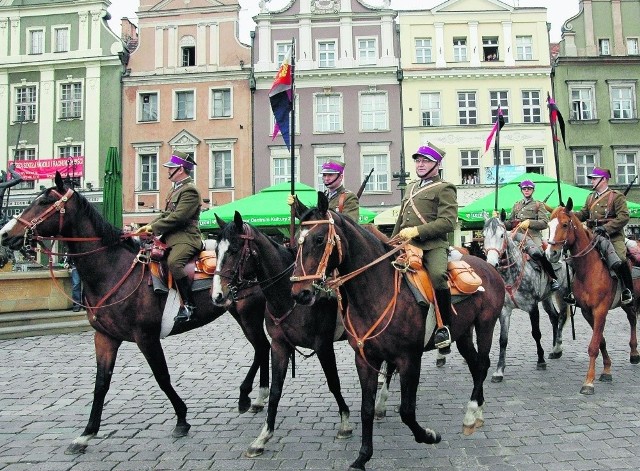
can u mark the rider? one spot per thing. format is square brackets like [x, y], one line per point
[606, 213]
[428, 214]
[530, 217]
[178, 225]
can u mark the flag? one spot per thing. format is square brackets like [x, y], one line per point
[280, 98]
[555, 116]
[494, 129]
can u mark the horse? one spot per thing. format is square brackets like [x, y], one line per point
[245, 253]
[121, 306]
[388, 324]
[526, 287]
[595, 290]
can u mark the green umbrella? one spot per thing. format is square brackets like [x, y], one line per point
[509, 193]
[268, 208]
[112, 190]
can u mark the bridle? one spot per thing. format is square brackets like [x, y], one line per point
[237, 282]
[565, 247]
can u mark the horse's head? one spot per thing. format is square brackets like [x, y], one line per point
[48, 215]
[496, 238]
[316, 255]
[236, 260]
[562, 231]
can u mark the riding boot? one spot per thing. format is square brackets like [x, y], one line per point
[624, 273]
[186, 310]
[548, 269]
[442, 337]
[608, 253]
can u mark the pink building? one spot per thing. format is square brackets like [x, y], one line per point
[187, 89]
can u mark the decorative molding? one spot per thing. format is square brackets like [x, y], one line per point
[325, 6]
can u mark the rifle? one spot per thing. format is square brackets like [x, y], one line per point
[544, 201]
[626, 190]
[364, 183]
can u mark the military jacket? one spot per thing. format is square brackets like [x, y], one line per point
[178, 224]
[351, 206]
[437, 204]
[598, 212]
[535, 212]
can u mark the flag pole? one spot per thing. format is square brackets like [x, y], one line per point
[496, 158]
[292, 224]
[554, 138]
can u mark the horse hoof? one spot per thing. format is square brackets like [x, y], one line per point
[252, 452]
[541, 366]
[181, 430]
[356, 467]
[381, 414]
[479, 423]
[344, 434]
[468, 429]
[634, 359]
[555, 355]
[496, 379]
[254, 409]
[75, 449]
[440, 362]
[587, 390]
[606, 378]
[244, 405]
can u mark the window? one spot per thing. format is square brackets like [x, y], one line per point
[380, 178]
[184, 105]
[367, 51]
[423, 50]
[582, 103]
[281, 50]
[61, 39]
[460, 49]
[531, 111]
[70, 151]
[534, 160]
[27, 153]
[490, 48]
[148, 172]
[632, 46]
[501, 99]
[625, 166]
[623, 100]
[467, 111]
[373, 112]
[70, 100]
[470, 166]
[187, 51]
[430, 109]
[35, 41]
[505, 157]
[524, 48]
[221, 103]
[148, 107]
[26, 103]
[585, 161]
[604, 47]
[326, 54]
[328, 115]
[221, 164]
[281, 168]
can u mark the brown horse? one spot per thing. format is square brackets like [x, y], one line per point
[596, 292]
[383, 319]
[121, 305]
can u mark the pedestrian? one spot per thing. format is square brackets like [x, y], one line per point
[76, 283]
[428, 215]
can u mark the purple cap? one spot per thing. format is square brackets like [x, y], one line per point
[332, 166]
[526, 184]
[429, 151]
[600, 173]
[180, 159]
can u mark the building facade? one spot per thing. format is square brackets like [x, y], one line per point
[186, 88]
[347, 95]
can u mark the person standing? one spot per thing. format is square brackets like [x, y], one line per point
[606, 213]
[428, 215]
[530, 217]
[178, 226]
[76, 283]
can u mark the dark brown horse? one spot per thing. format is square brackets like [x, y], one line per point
[596, 292]
[383, 319]
[245, 253]
[121, 305]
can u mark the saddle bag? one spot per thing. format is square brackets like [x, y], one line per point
[206, 262]
[158, 250]
[463, 277]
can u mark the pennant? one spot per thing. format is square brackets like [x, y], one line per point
[280, 98]
[494, 130]
[556, 117]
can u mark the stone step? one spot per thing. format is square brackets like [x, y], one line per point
[32, 323]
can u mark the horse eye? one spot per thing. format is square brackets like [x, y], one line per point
[319, 240]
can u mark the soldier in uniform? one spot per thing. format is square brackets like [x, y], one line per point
[178, 226]
[606, 213]
[530, 217]
[428, 214]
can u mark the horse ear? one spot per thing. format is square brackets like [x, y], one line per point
[323, 202]
[503, 215]
[569, 205]
[59, 182]
[300, 208]
[219, 221]
[237, 220]
[485, 215]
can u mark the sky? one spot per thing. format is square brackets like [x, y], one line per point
[558, 11]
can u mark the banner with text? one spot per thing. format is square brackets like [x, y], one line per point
[47, 168]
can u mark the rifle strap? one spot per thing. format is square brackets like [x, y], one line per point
[341, 199]
[416, 193]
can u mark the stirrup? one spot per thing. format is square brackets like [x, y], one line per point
[569, 298]
[184, 314]
[445, 342]
[626, 297]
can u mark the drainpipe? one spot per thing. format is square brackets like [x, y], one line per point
[252, 87]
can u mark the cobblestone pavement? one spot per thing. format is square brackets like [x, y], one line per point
[535, 420]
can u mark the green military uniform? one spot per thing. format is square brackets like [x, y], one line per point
[609, 210]
[436, 203]
[535, 212]
[350, 203]
[178, 225]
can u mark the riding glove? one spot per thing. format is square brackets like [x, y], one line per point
[408, 233]
[600, 230]
[291, 199]
[144, 229]
[524, 225]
